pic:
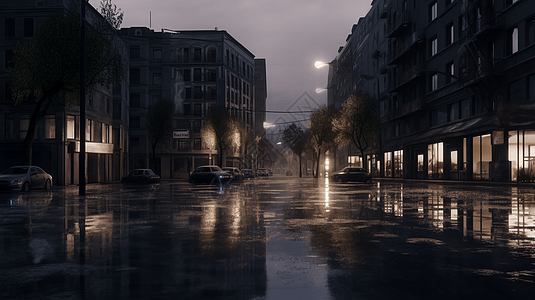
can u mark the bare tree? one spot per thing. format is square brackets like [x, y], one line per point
[358, 123]
[220, 131]
[322, 136]
[160, 126]
[295, 139]
[111, 13]
[46, 70]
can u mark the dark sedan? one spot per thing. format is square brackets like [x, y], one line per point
[25, 178]
[351, 174]
[209, 174]
[141, 176]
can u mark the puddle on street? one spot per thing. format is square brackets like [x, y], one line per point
[275, 238]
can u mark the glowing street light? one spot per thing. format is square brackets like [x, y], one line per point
[320, 64]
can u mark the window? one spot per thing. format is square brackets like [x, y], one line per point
[512, 41]
[28, 27]
[7, 92]
[197, 54]
[89, 129]
[8, 127]
[530, 31]
[435, 158]
[135, 101]
[197, 76]
[9, 26]
[157, 54]
[135, 122]
[453, 160]
[24, 123]
[197, 109]
[197, 144]
[450, 34]
[71, 127]
[211, 54]
[187, 109]
[531, 87]
[135, 76]
[8, 59]
[50, 127]
[453, 112]
[466, 108]
[516, 90]
[157, 78]
[197, 92]
[510, 2]
[450, 69]
[434, 82]
[433, 12]
[135, 52]
[182, 55]
[434, 46]
[134, 141]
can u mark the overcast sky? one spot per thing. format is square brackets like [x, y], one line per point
[289, 34]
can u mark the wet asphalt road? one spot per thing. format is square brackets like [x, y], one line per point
[271, 238]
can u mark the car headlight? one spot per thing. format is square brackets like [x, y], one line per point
[15, 181]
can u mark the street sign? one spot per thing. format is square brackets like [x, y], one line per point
[181, 134]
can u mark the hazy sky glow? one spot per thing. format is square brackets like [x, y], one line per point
[290, 34]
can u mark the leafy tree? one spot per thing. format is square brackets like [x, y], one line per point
[358, 123]
[46, 70]
[111, 13]
[160, 125]
[220, 131]
[295, 139]
[322, 136]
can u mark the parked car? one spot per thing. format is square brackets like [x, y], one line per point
[25, 178]
[270, 172]
[237, 174]
[289, 172]
[141, 176]
[248, 173]
[351, 174]
[208, 174]
[262, 172]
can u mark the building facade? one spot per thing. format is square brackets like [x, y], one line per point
[56, 145]
[197, 70]
[455, 85]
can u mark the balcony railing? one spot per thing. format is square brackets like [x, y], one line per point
[398, 23]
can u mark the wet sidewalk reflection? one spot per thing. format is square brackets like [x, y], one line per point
[270, 238]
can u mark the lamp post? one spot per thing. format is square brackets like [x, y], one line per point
[81, 165]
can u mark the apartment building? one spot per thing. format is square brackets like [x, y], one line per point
[455, 86]
[56, 145]
[197, 70]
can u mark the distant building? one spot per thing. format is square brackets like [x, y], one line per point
[197, 69]
[57, 143]
[455, 84]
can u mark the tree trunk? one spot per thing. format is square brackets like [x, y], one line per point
[30, 134]
[317, 166]
[300, 170]
[154, 159]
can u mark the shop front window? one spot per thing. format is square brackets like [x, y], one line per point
[453, 161]
[435, 161]
[398, 163]
[522, 155]
[481, 156]
[388, 164]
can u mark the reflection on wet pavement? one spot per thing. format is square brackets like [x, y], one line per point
[272, 238]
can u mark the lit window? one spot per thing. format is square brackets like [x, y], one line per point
[434, 46]
[514, 40]
[50, 127]
[433, 11]
[434, 82]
